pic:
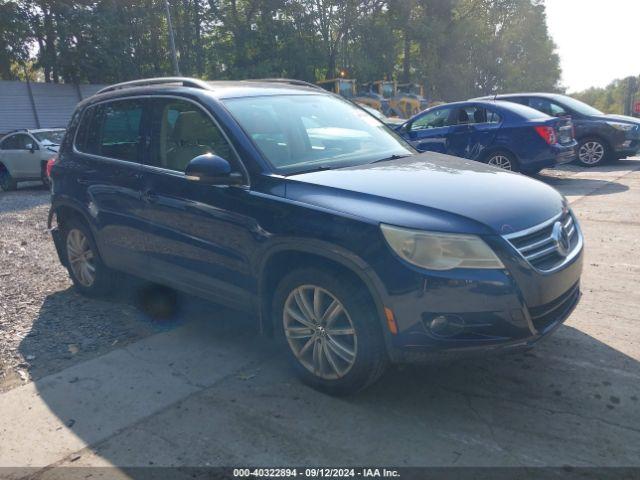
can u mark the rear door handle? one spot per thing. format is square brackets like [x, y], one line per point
[149, 196]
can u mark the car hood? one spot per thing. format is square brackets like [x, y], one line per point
[621, 118]
[431, 191]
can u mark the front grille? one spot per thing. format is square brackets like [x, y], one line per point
[546, 316]
[540, 249]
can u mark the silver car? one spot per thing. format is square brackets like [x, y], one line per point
[24, 155]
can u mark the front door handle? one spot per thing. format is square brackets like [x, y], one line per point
[149, 196]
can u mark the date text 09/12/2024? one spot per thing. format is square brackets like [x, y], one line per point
[316, 473]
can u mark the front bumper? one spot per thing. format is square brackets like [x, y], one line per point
[565, 155]
[470, 312]
[627, 144]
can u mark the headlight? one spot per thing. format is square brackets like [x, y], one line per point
[625, 127]
[440, 251]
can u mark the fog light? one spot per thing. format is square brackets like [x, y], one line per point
[446, 325]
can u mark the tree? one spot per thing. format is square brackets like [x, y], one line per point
[456, 48]
[15, 35]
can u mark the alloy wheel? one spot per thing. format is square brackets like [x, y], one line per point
[591, 153]
[320, 332]
[81, 257]
[500, 161]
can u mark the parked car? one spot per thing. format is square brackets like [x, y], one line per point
[601, 137]
[508, 136]
[391, 122]
[24, 155]
[293, 204]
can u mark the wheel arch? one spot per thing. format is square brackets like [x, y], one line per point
[285, 258]
[498, 148]
[595, 136]
[64, 209]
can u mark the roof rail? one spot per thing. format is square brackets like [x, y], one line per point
[187, 82]
[290, 81]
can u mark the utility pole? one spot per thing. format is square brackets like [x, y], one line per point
[630, 96]
[172, 42]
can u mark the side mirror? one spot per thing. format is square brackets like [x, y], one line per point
[31, 147]
[212, 170]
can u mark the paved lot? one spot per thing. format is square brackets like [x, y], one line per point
[103, 385]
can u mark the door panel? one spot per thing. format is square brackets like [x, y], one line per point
[430, 131]
[458, 140]
[110, 141]
[20, 161]
[200, 236]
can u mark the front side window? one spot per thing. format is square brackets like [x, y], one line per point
[112, 130]
[183, 131]
[305, 132]
[434, 119]
[22, 142]
[579, 106]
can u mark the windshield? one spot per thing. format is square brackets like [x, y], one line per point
[346, 88]
[580, 107]
[387, 90]
[51, 137]
[298, 133]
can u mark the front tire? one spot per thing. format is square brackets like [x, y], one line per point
[331, 331]
[90, 276]
[592, 152]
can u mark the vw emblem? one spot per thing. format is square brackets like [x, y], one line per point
[561, 239]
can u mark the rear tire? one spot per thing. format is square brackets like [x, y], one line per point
[331, 330]
[89, 274]
[7, 182]
[593, 152]
[503, 159]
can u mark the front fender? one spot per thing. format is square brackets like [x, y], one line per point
[331, 252]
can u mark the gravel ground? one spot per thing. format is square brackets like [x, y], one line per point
[45, 325]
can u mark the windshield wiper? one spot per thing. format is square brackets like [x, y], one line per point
[395, 156]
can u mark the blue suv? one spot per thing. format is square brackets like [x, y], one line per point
[283, 200]
[509, 136]
[601, 137]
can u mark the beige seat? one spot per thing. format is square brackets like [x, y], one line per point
[193, 135]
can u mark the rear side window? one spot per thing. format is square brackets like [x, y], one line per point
[547, 106]
[8, 143]
[476, 114]
[112, 130]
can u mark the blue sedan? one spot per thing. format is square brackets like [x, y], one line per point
[509, 136]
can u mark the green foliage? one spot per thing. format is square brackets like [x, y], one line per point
[610, 99]
[455, 48]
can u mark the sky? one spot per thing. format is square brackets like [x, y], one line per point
[598, 40]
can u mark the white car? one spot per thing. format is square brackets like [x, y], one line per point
[24, 155]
